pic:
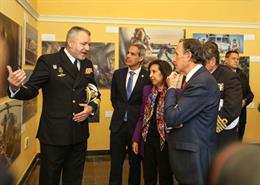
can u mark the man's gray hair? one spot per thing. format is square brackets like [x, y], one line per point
[141, 49]
[76, 29]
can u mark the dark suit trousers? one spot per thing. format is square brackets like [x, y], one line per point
[68, 159]
[241, 130]
[120, 144]
[226, 137]
[155, 159]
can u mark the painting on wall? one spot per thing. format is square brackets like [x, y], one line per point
[101, 54]
[10, 49]
[31, 45]
[29, 106]
[49, 47]
[10, 130]
[159, 43]
[225, 42]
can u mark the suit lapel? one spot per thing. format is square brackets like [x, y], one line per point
[122, 82]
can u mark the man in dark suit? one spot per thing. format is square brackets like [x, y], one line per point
[63, 129]
[232, 61]
[191, 115]
[231, 95]
[126, 97]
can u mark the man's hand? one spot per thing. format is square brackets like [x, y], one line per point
[81, 116]
[172, 80]
[15, 78]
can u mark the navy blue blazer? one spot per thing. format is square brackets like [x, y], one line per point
[191, 147]
[120, 102]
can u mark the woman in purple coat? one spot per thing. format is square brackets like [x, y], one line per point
[149, 137]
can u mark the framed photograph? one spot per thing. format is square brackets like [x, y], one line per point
[102, 56]
[10, 130]
[225, 42]
[10, 50]
[31, 45]
[159, 43]
[49, 47]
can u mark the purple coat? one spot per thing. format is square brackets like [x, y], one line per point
[137, 137]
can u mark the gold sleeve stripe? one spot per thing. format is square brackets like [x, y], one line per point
[221, 124]
[218, 130]
[223, 121]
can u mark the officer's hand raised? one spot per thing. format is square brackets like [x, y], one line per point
[15, 78]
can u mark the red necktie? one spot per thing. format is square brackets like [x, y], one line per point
[183, 84]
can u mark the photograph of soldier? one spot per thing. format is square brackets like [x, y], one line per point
[159, 43]
[10, 130]
[31, 45]
[10, 49]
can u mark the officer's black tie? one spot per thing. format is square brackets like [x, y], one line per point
[75, 64]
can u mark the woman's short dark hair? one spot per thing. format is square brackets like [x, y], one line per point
[164, 67]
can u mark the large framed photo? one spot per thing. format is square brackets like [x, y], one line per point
[159, 43]
[10, 130]
[225, 42]
[10, 49]
[31, 45]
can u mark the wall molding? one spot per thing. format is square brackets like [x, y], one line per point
[160, 22]
[138, 21]
[29, 8]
